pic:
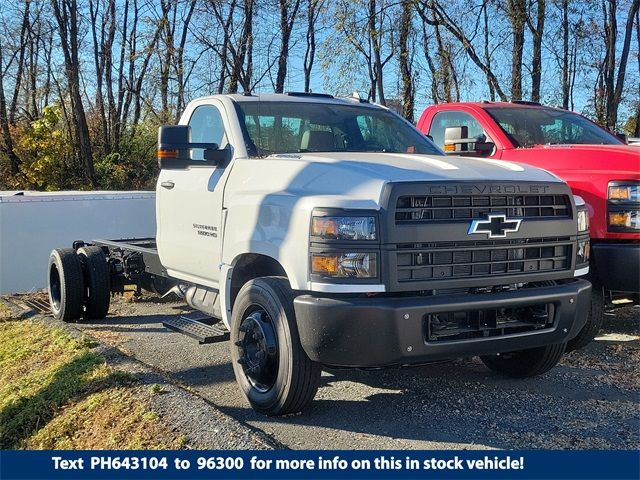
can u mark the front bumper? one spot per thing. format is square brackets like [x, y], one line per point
[384, 331]
[617, 265]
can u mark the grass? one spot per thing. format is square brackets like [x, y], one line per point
[55, 393]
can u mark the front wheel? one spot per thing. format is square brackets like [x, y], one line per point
[269, 363]
[525, 363]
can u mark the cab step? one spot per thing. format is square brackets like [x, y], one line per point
[203, 328]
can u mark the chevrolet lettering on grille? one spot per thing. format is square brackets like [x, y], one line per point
[495, 226]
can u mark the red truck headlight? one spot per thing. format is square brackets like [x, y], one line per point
[623, 206]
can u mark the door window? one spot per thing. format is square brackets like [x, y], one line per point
[206, 127]
[444, 120]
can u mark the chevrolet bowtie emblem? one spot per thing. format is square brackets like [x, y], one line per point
[495, 226]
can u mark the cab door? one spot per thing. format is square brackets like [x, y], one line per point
[189, 203]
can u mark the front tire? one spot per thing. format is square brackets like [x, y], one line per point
[270, 365]
[66, 285]
[525, 363]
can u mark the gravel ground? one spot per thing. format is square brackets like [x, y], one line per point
[591, 400]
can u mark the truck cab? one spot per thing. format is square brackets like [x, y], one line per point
[321, 231]
[597, 165]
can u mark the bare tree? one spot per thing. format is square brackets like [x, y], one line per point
[487, 52]
[441, 17]
[372, 36]
[636, 131]
[613, 78]
[66, 15]
[314, 8]
[517, 14]
[242, 54]
[537, 32]
[8, 148]
[288, 13]
[406, 74]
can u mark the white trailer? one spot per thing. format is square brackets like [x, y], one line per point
[33, 223]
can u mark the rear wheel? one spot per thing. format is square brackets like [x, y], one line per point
[269, 363]
[96, 282]
[525, 363]
[66, 285]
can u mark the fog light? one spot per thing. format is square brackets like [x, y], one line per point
[344, 265]
[582, 255]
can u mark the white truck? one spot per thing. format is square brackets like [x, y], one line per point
[319, 231]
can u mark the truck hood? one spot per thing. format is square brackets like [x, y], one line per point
[397, 167]
[621, 159]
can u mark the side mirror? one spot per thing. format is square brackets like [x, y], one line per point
[456, 142]
[453, 136]
[174, 149]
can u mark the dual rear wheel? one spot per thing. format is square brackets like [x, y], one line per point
[79, 285]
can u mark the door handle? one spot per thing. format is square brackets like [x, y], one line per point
[169, 184]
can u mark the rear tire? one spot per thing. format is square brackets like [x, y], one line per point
[594, 321]
[96, 281]
[270, 365]
[525, 363]
[66, 285]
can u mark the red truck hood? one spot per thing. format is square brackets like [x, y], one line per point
[587, 169]
[622, 161]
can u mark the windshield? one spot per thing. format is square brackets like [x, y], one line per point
[298, 127]
[526, 127]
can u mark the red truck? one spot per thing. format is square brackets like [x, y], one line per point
[596, 164]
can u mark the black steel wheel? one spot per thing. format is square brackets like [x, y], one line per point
[66, 284]
[270, 365]
[258, 348]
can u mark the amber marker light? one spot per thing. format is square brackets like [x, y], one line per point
[324, 264]
[167, 153]
[324, 227]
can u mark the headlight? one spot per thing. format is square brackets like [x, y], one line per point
[582, 254]
[627, 220]
[619, 192]
[345, 265]
[344, 228]
[623, 206]
[583, 220]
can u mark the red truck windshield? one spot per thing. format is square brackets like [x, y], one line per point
[293, 127]
[527, 127]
